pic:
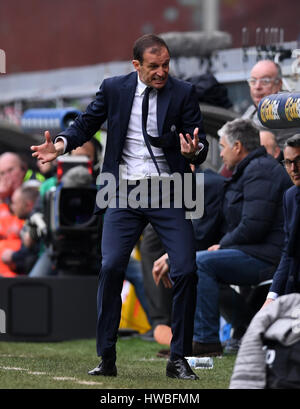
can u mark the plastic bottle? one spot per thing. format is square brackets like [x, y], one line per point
[205, 362]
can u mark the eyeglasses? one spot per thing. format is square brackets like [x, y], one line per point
[263, 81]
[288, 163]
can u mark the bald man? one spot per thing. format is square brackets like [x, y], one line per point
[266, 79]
[12, 172]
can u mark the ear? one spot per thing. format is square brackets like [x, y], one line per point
[238, 146]
[136, 64]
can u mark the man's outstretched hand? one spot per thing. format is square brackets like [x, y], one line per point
[48, 151]
[188, 145]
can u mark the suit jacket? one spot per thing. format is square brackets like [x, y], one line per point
[209, 228]
[252, 207]
[177, 111]
[286, 278]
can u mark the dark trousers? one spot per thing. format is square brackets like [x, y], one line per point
[121, 230]
[159, 298]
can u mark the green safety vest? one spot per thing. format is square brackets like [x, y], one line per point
[30, 174]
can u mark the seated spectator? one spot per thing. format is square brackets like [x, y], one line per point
[20, 260]
[268, 140]
[47, 169]
[287, 276]
[265, 79]
[253, 223]
[10, 229]
[12, 173]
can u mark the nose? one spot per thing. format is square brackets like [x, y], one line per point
[160, 72]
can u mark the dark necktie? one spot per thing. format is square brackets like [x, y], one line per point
[145, 107]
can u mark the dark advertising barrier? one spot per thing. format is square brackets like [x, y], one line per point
[48, 309]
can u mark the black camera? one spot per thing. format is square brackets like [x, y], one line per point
[74, 231]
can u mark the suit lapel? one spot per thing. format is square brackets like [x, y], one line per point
[126, 100]
[163, 100]
[127, 93]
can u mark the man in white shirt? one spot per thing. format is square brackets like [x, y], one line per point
[142, 146]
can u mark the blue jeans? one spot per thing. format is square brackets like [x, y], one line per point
[43, 266]
[228, 266]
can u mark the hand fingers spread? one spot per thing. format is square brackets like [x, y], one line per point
[47, 136]
[183, 142]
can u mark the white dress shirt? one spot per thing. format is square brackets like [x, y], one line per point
[136, 157]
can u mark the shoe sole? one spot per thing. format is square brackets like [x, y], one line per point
[171, 375]
[101, 374]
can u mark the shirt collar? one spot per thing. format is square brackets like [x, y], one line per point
[141, 87]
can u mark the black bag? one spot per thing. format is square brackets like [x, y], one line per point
[210, 91]
[282, 366]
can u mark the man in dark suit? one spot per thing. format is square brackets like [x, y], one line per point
[286, 279]
[163, 142]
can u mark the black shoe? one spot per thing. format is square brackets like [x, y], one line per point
[207, 349]
[105, 368]
[180, 369]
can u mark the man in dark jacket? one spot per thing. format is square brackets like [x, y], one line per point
[287, 276]
[249, 228]
[251, 246]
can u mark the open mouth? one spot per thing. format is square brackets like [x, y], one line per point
[156, 79]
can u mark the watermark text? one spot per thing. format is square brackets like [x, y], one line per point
[167, 191]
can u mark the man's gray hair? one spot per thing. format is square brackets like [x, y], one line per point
[242, 130]
[293, 141]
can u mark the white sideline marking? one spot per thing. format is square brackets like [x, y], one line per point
[89, 383]
[63, 378]
[55, 378]
[16, 356]
[151, 359]
[11, 368]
